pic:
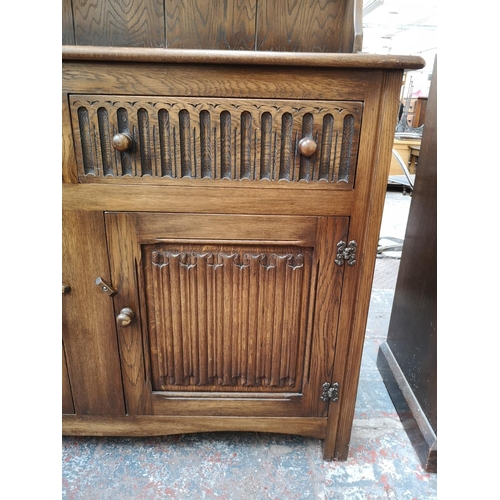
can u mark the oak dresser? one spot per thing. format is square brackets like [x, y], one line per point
[221, 211]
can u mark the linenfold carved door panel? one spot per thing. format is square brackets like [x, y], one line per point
[226, 309]
[226, 317]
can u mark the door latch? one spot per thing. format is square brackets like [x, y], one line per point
[104, 287]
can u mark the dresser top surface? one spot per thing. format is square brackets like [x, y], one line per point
[240, 57]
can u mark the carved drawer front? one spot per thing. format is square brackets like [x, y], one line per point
[227, 318]
[146, 139]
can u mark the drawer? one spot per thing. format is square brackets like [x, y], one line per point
[165, 139]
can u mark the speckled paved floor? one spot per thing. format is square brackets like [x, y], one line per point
[382, 463]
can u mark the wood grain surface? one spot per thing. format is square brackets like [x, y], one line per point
[202, 24]
[200, 138]
[134, 23]
[248, 25]
[89, 334]
[158, 425]
[303, 26]
[164, 241]
[202, 56]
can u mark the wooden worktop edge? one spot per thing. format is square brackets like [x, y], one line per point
[189, 56]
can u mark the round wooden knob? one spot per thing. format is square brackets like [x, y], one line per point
[125, 317]
[122, 142]
[307, 146]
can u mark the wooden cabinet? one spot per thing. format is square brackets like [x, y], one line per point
[221, 217]
[416, 111]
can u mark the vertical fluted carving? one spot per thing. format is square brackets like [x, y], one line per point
[227, 319]
[236, 151]
[246, 145]
[346, 151]
[265, 154]
[105, 141]
[326, 148]
[86, 141]
[124, 127]
[225, 145]
[286, 152]
[165, 143]
[205, 145]
[305, 163]
[144, 141]
[237, 139]
[185, 143]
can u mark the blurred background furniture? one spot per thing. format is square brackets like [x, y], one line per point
[413, 160]
[408, 359]
[403, 147]
[403, 177]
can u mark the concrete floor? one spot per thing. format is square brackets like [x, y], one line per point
[382, 463]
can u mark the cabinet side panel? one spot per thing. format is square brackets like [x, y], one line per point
[377, 137]
[89, 333]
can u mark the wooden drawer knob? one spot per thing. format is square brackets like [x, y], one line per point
[307, 146]
[122, 142]
[125, 317]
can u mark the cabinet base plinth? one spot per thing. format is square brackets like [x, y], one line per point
[76, 425]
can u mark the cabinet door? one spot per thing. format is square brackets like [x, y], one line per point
[67, 399]
[90, 354]
[231, 315]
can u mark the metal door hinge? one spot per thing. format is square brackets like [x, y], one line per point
[346, 252]
[330, 392]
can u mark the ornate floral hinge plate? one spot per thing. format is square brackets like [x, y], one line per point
[346, 252]
[330, 392]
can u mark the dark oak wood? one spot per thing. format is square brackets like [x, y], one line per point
[69, 168]
[212, 80]
[250, 25]
[305, 26]
[157, 425]
[228, 246]
[207, 199]
[68, 34]
[205, 281]
[202, 24]
[410, 350]
[89, 334]
[234, 139]
[332, 60]
[67, 398]
[365, 225]
[135, 23]
[122, 240]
